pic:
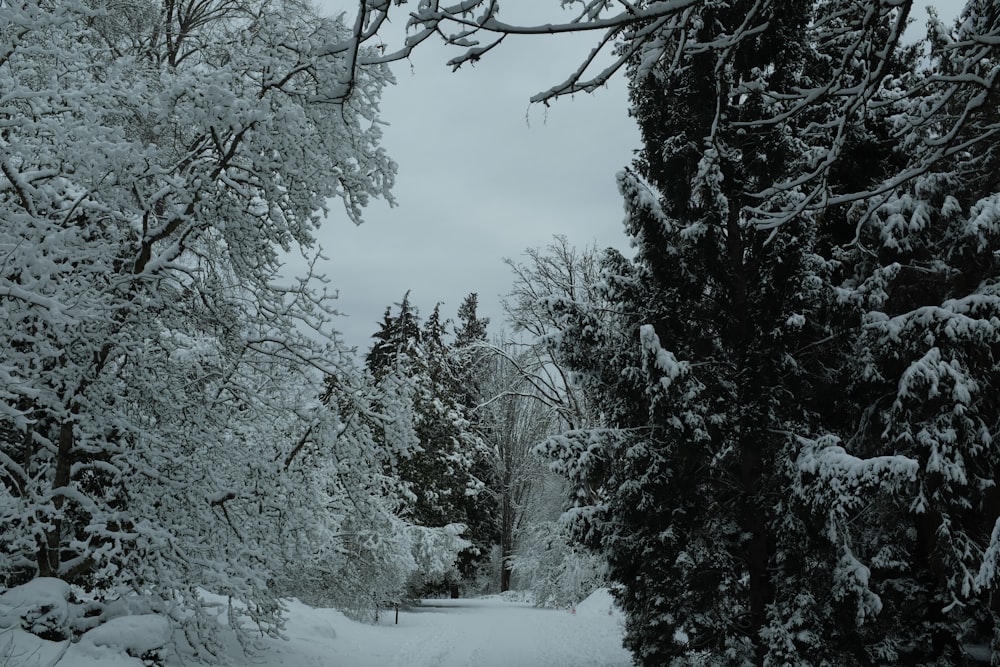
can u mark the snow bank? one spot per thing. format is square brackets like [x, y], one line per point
[136, 635]
[40, 607]
[600, 602]
[38, 620]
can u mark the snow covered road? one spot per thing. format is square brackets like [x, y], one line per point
[482, 632]
[488, 632]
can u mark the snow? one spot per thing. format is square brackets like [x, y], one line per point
[136, 635]
[39, 605]
[40, 592]
[600, 603]
[663, 360]
[487, 632]
[494, 631]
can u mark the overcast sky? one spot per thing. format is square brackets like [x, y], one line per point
[483, 175]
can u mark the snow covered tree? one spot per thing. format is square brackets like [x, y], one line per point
[356, 550]
[906, 488]
[471, 328]
[559, 272]
[552, 564]
[709, 348]
[470, 359]
[546, 556]
[154, 160]
[438, 473]
[512, 419]
[397, 335]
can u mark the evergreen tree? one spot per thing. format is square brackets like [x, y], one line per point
[398, 336]
[471, 328]
[438, 475]
[470, 360]
[906, 485]
[711, 350]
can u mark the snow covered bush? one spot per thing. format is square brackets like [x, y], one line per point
[47, 609]
[557, 570]
[142, 636]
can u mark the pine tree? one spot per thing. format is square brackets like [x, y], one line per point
[470, 360]
[397, 336]
[439, 474]
[711, 354]
[739, 300]
[906, 485]
[471, 328]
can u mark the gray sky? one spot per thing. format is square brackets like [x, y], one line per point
[484, 175]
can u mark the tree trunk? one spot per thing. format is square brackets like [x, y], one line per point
[49, 547]
[506, 531]
[750, 442]
[760, 590]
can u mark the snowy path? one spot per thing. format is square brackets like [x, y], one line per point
[486, 632]
[490, 632]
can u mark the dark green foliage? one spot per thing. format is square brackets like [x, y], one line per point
[721, 353]
[905, 486]
[397, 336]
[471, 328]
[469, 359]
[705, 527]
[438, 474]
[445, 477]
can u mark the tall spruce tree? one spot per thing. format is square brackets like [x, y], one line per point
[470, 362]
[713, 348]
[471, 328]
[439, 474]
[906, 485]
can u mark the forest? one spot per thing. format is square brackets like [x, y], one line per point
[769, 431]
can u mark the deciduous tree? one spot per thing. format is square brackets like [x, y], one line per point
[154, 160]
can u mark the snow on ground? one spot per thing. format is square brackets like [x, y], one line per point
[482, 632]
